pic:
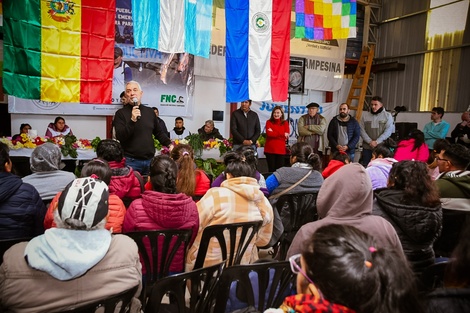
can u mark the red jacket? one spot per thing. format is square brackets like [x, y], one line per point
[332, 167]
[404, 151]
[124, 181]
[275, 137]
[116, 213]
[157, 211]
[203, 183]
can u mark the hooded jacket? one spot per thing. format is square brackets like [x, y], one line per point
[158, 211]
[125, 182]
[72, 268]
[378, 171]
[404, 151]
[21, 208]
[416, 226]
[237, 200]
[346, 198]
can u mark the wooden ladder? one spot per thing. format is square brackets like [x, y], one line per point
[358, 90]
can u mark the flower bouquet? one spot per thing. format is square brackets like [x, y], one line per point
[223, 145]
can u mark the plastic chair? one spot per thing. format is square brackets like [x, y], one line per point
[260, 285]
[237, 246]
[200, 284]
[109, 304]
[6, 244]
[163, 245]
[433, 277]
[295, 210]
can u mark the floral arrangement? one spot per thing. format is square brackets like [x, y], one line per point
[197, 144]
[223, 145]
[68, 144]
[261, 140]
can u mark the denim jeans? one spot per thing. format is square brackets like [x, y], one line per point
[366, 156]
[141, 166]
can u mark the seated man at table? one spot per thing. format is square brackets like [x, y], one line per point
[208, 131]
[47, 177]
[74, 264]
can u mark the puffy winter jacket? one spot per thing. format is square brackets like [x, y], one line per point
[125, 182]
[21, 208]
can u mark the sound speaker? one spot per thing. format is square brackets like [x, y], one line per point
[296, 75]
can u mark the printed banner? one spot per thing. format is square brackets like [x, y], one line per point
[167, 79]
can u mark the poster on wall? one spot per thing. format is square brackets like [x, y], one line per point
[167, 79]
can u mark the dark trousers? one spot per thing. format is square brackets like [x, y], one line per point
[274, 161]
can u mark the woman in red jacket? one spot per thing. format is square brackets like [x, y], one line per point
[277, 132]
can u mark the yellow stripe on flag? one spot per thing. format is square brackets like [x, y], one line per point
[61, 52]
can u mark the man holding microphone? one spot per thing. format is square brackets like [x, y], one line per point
[134, 125]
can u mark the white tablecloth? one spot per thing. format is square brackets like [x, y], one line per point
[83, 154]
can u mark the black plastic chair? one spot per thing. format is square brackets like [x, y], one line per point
[237, 246]
[260, 285]
[6, 244]
[163, 245]
[433, 277]
[170, 293]
[295, 210]
[109, 304]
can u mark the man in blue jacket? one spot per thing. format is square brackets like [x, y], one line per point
[344, 132]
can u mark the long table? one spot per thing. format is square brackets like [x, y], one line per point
[83, 154]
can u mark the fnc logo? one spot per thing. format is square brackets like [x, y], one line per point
[61, 10]
[260, 22]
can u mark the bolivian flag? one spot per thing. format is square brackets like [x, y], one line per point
[59, 50]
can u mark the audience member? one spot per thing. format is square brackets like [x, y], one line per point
[208, 131]
[376, 126]
[411, 196]
[439, 145]
[437, 128]
[135, 125]
[305, 166]
[311, 127]
[179, 131]
[461, 132]
[24, 128]
[238, 199]
[245, 126]
[125, 183]
[338, 159]
[191, 180]
[47, 177]
[58, 128]
[21, 207]
[412, 147]
[381, 164]
[161, 122]
[252, 160]
[344, 132]
[163, 207]
[346, 198]
[342, 269]
[277, 134]
[98, 169]
[123, 98]
[74, 264]
[454, 189]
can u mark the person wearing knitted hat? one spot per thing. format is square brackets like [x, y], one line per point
[74, 264]
[47, 176]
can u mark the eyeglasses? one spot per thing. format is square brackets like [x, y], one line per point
[295, 267]
[439, 159]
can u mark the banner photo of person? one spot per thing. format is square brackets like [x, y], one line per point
[167, 79]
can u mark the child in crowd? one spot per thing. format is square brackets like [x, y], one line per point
[338, 159]
[381, 163]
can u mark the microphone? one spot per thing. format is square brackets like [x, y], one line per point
[135, 100]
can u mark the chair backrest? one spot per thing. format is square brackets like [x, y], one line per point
[240, 235]
[170, 293]
[6, 244]
[157, 249]
[295, 210]
[122, 300]
[433, 277]
[261, 285]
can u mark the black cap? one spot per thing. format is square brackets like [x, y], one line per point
[313, 105]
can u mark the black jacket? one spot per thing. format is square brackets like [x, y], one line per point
[21, 208]
[244, 128]
[214, 134]
[416, 226]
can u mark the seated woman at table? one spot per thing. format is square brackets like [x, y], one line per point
[47, 176]
[58, 128]
[99, 169]
[191, 180]
[24, 128]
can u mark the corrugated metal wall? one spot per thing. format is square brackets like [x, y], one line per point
[403, 40]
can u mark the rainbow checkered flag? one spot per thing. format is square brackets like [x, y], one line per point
[325, 19]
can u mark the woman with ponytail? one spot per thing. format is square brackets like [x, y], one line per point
[303, 161]
[342, 269]
[163, 207]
